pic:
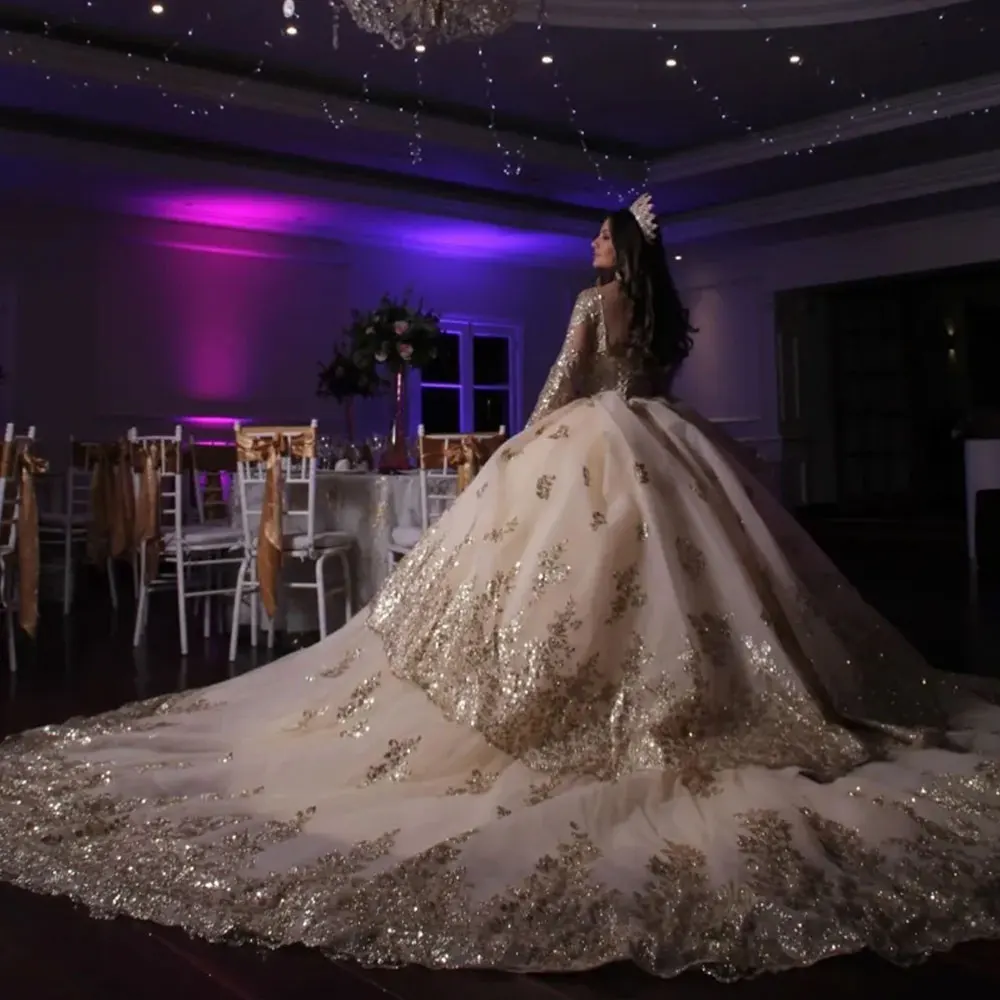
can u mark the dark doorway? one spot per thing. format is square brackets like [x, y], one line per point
[893, 373]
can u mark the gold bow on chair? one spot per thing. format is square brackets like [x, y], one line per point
[466, 456]
[151, 459]
[29, 466]
[99, 459]
[121, 511]
[254, 446]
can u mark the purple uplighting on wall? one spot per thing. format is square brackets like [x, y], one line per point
[240, 210]
[355, 223]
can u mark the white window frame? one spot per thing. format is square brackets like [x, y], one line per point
[467, 329]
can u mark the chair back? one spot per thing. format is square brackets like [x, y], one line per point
[158, 475]
[85, 457]
[210, 465]
[442, 457]
[14, 446]
[289, 454]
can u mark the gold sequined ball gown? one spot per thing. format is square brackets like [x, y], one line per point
[615, 705]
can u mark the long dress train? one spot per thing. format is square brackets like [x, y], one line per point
[615, 705]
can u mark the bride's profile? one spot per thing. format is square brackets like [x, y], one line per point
[615, 705]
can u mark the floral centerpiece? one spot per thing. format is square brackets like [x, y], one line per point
[400, 337]
[396, 335]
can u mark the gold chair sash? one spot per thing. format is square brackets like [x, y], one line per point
[98, 460]
[29, 466]
[466, 454]
[111, 531]
[121, 510]
[271, 445]
[152, 459]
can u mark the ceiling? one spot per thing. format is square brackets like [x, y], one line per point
[776, 110]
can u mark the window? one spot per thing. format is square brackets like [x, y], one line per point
[472, 385]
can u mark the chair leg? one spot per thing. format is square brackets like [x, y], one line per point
[220, 605]
[68, 572]
[182, 622]
[345, 565]
[142, 603]
[321, 594]
[11, 639]
[234, 630]
[254, 605]
[112, 583]
[271, 619]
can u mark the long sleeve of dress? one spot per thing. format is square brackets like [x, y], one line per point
[567, 378]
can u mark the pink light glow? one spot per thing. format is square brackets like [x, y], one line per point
[240, 210]
[224, 251]
[267, 212]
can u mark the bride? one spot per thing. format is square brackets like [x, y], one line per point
[615, 705]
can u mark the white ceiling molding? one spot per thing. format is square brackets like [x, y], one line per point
[942, 176]
[185, 81]
[934, 104]
[718, 15]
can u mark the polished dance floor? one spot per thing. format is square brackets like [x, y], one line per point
[50, 951]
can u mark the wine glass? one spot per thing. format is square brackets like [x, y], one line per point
[325, 451]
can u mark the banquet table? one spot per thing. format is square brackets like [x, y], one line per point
[367, 505]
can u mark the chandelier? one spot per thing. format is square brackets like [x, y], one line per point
[403, 23]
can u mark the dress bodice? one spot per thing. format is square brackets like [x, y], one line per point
[612, 368]
[595, 356]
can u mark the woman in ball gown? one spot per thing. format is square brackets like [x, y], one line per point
[615, 705]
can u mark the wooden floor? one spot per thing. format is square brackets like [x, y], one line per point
[49, 950]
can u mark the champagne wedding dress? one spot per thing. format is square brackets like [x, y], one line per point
[615, 705]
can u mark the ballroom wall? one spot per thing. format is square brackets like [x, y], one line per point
[118, 320]
[732, 374]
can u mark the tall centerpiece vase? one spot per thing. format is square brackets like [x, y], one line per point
[396, 458]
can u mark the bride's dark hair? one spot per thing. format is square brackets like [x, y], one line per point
[661, 326]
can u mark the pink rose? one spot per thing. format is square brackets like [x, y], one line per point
[406, 351]
[401, 326]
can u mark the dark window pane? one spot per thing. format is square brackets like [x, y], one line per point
[492, 408]
[490, 360]
[439, 410]
[445, 368]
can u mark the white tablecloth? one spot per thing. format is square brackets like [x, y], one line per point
[366, 505]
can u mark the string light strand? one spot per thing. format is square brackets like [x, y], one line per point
[542, 27]
[512, 159]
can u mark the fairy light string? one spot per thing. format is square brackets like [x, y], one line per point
[295, 19]
[511, 159]
[543, 29]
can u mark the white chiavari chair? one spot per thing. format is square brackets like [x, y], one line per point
[439, 481]
[172, 553]
[212, 507]
[70, 528]
[293, 449]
